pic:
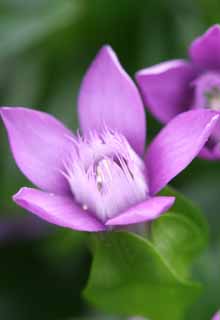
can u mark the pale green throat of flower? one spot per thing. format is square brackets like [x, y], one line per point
[213, 99]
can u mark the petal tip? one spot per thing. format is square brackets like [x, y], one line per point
[19, 195]
[172, 200]
[7, 112]
[163, 67]
[37, 142]
[107, 92]
[58, 210]
[106, 48]
[177, 144]
[214, 30]
[4, 111]
[106, 52]
[165, 88]
[8, 109]
[204, 50]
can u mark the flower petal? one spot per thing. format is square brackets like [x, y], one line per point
[38, 143]
[207, 154]
[216, 316]
[144, 211]
[176, 145]
[56, 209]
[211, 150]
[210, 154]
[108, 97]
[166, 88]
[205, 50]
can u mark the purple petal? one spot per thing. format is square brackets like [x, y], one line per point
[207, 154]
[56, 209]
[108, 97]
[177, 144]
[144, 211]
[211, 150]
[166, 88]
[216, 316]
[205, 50]
[38, 143]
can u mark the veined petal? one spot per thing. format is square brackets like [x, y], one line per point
[108, 97]
[144, 211]
[166, 88]
[177, 144]
[205, 50]
[38, 143]
[56, 209]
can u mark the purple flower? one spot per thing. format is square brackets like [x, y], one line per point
[176, 86]
[102, 178]
[216, 316]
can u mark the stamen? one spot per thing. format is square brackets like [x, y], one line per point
[106, 176]
[99, 179]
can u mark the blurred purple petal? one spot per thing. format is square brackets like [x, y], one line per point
[205, 50]
[144, 211]
[58, 210]
[108, 97]
[16, 228]
[178, 143]
[165, 88]
[216, 316]
[39, 143]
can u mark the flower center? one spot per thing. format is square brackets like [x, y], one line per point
[207, 95]
[213, 98]
[207, 91]
[105, 174]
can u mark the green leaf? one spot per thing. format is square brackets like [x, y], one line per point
[178, 240]
[185, 207]
[129, 277]
[180, 235]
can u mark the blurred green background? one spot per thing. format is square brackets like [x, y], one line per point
[45, 48]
